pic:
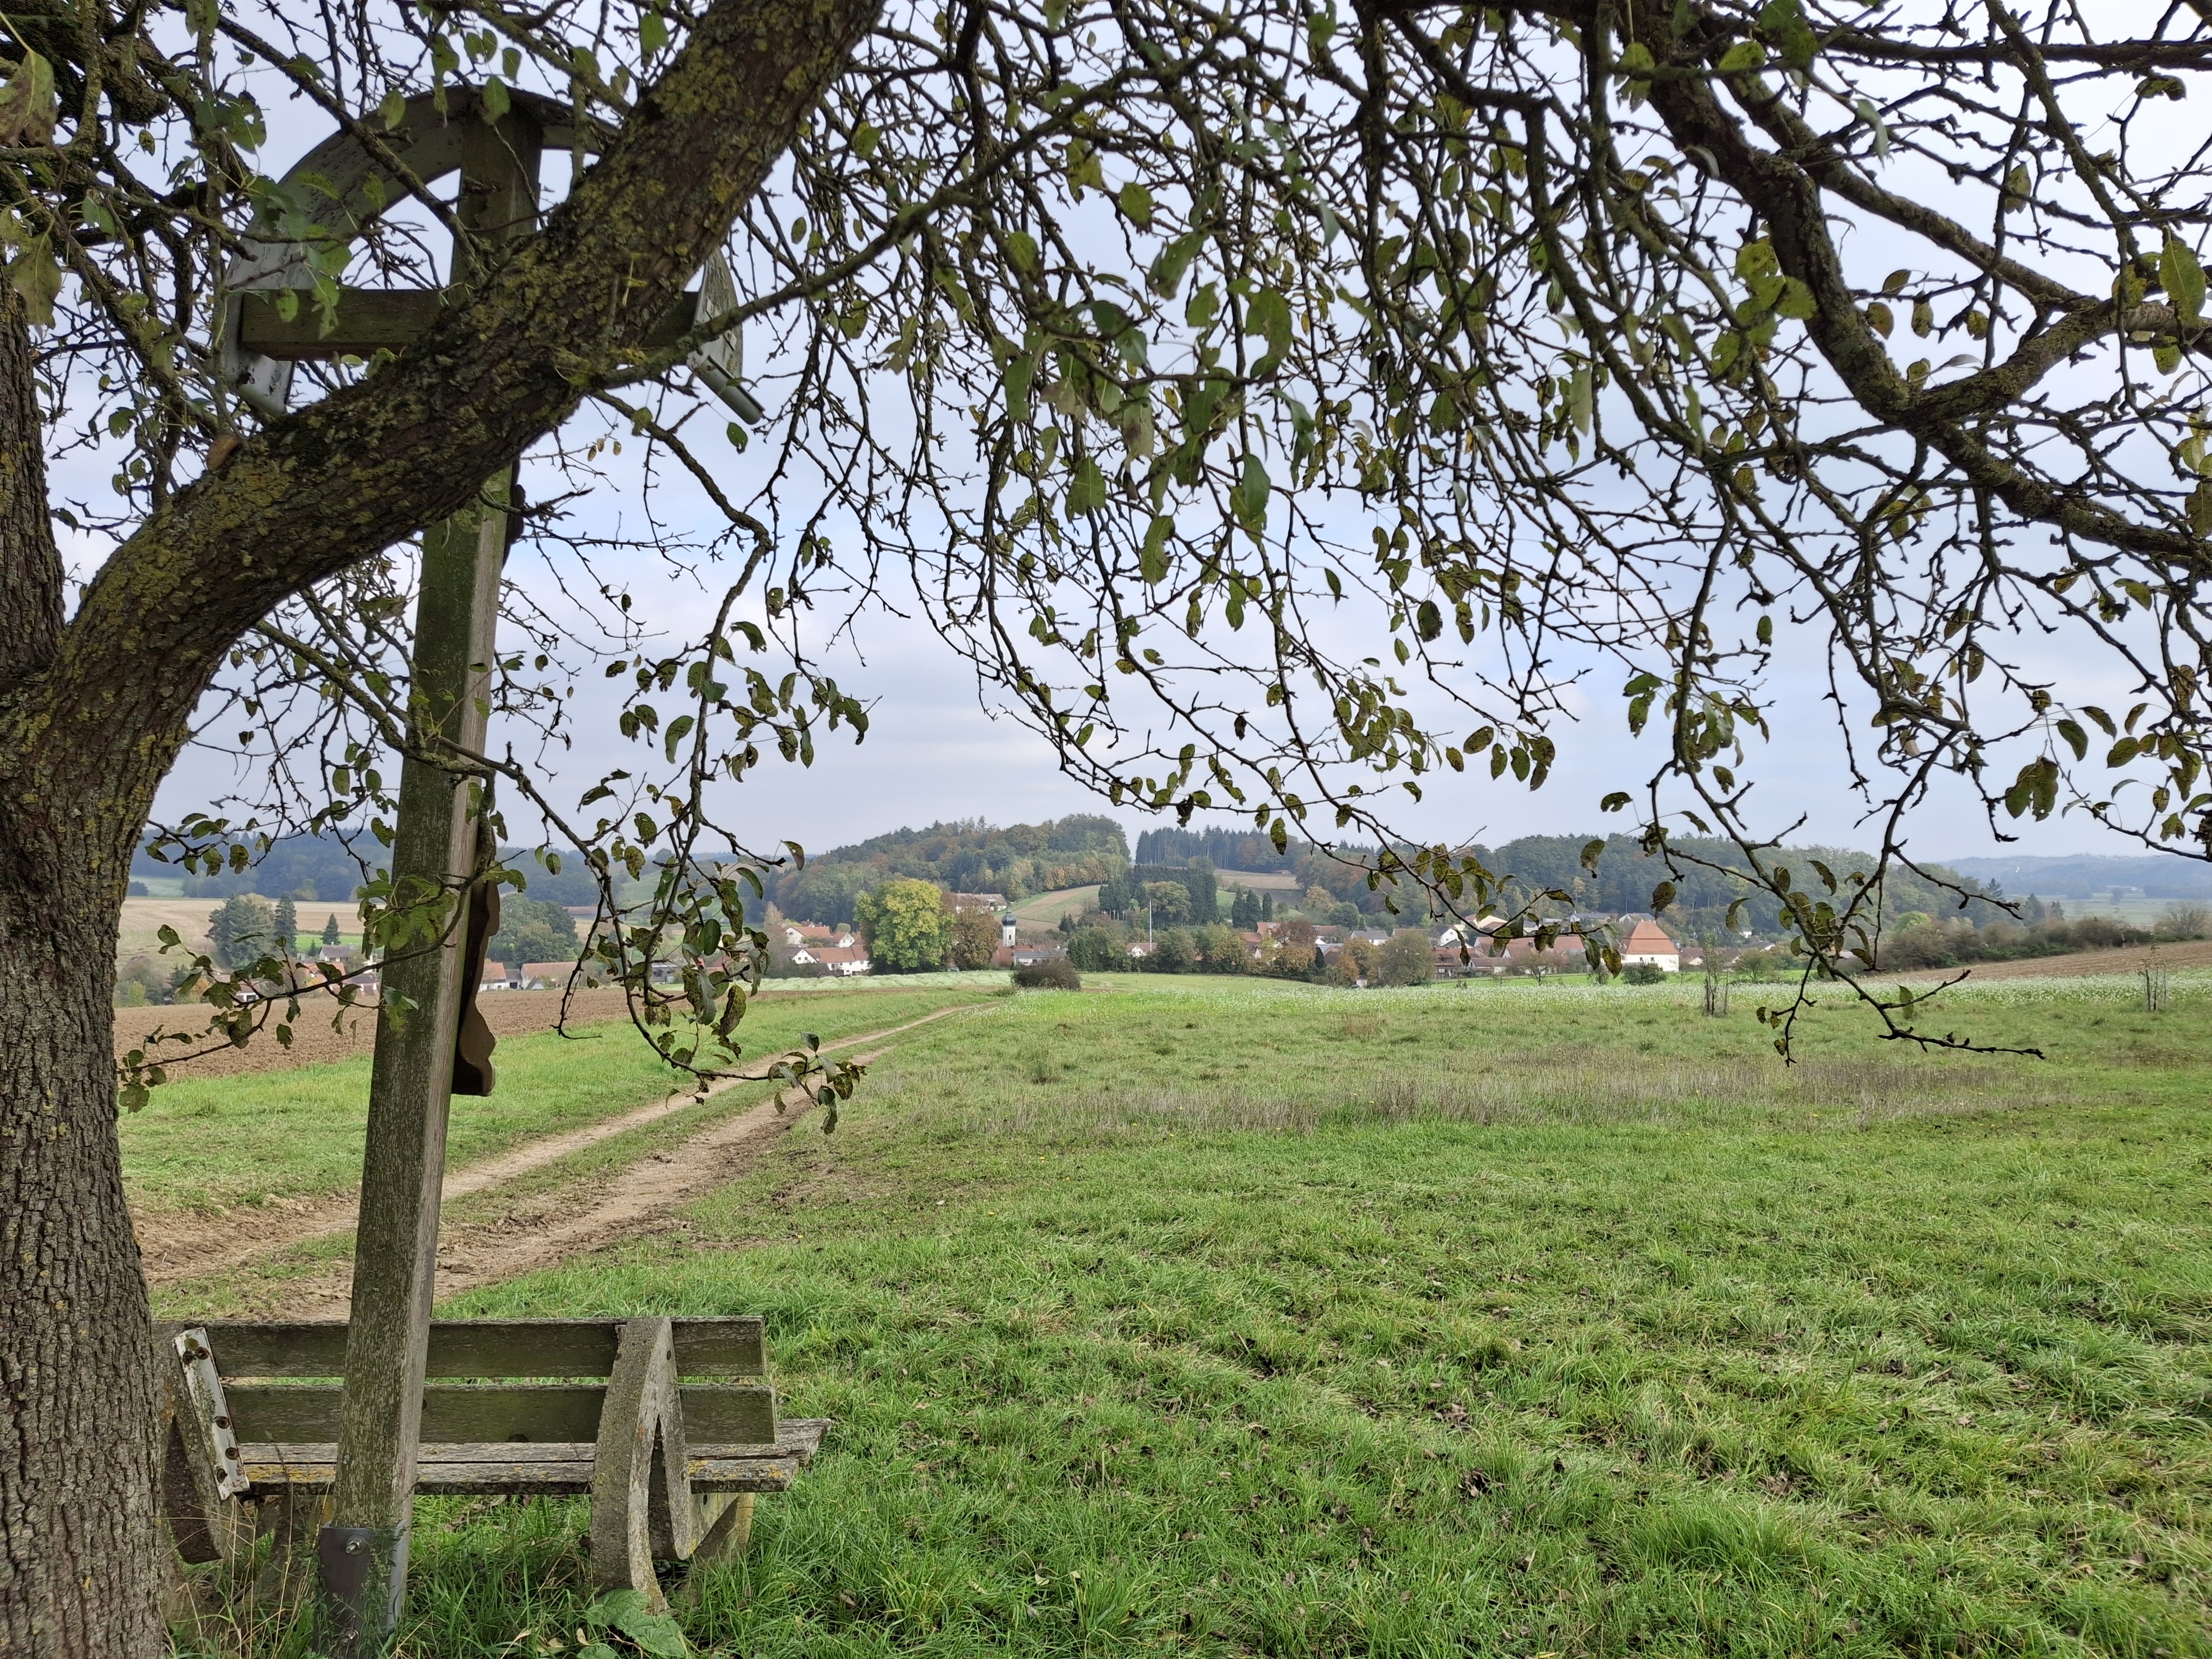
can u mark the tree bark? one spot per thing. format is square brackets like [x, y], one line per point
[80, 1565]
[94, 712]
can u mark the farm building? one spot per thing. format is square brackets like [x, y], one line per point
[1649, 942]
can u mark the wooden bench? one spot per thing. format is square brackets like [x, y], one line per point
[669, 1425]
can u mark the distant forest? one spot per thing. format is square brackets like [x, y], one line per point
[1019, 860]
[328, 868]
[1622, 881]
[1022, 860]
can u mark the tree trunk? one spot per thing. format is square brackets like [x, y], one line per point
[93, 713]
[81, 1558]
[81, 1561]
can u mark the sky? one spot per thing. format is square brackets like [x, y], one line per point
[936, 751]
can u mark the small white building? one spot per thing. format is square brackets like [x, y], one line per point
[841, 960]
[1648, 942]
[1006, 930]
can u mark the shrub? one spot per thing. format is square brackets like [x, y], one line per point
[1923, 945]
[1643, 973]
[1095, 950]
[2185, 919]
[1052, 974]
[1405, 958]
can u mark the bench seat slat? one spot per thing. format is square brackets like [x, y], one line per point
[540, 1469]
[733, 1347]
[495, 1412]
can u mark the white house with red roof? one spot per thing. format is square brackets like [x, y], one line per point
[1649, 942]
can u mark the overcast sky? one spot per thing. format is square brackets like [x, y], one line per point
[934, 753]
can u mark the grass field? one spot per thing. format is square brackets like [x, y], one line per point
[1219, 1317]
[211, 1145]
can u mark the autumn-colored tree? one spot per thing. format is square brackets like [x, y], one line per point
[975, 938]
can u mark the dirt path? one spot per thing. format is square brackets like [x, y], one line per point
[177, 1249]
[638, 1201]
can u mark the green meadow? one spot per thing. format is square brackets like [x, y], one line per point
[211, 1144]
[1189, 1315]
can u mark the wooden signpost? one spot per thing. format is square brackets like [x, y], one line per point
[428, 970]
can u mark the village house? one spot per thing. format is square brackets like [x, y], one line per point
[843, 961]
[1649, 942]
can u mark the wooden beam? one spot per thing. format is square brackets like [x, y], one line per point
[370, 320]
[363, 1554]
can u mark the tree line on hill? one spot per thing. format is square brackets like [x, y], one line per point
[1018, 861]
[331, 867]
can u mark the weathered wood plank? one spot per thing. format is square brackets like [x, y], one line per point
[725, 1413]
[732, 1346]
[545, 1470]
[370, 320]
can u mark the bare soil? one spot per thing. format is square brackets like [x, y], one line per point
[314, 1042]
[177, 1248]
[2129, 959]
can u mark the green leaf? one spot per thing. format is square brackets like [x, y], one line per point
[1249, 496]
[38, 277]
[1742, 57]
[2200, 508]
[496, 100]
[1086, 491]
[1615, 801]
[1428, 621]
[1153, 561]
[1021, 370]
[2183, 278]
[1592, 850]
[1136, 203]
[2076, 738]
[28, 104]
[1661, 896]
[1174, 259]
[652, 33]
[1269, 314]
[394, 108]
[1795, 300]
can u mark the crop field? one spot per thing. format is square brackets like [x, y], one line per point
[1211, 1316]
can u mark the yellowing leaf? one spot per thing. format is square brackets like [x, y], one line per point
[28, 106]
[2183, 278]
[37, 276]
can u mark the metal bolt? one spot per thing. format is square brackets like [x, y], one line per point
[353, 1547]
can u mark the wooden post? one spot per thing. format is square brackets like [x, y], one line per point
[363, 1554]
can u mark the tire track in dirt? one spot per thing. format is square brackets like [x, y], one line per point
[634, 1204]
[173, 1249]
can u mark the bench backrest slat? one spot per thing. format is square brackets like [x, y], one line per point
[489, 1413]
[489, 1347]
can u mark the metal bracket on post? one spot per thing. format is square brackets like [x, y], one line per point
[363, 1571]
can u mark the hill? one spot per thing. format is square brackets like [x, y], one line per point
[2092, 875]
[331, 868]
[1018, 860]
